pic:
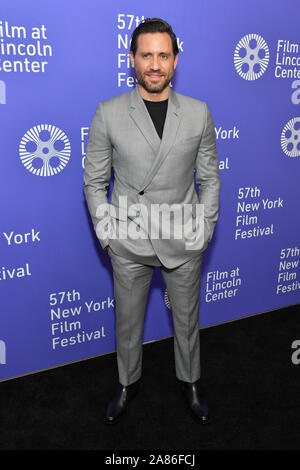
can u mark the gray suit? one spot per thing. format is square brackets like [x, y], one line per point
[152, 171]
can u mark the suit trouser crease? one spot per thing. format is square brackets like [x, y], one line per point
[183, 286]
[131, 288]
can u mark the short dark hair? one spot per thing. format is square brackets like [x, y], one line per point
[153, 25]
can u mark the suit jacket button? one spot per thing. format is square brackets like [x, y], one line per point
[141, 193]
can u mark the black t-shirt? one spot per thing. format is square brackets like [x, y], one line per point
[158, 112]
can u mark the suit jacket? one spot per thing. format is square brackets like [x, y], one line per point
[151, 171]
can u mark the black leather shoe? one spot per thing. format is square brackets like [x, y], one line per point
[195, 401]
[120, 401]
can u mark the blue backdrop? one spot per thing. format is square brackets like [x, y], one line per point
[57, 61]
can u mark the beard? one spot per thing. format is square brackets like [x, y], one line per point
[153, 87]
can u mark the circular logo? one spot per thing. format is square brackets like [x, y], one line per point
[251, 57]
[167, 300]
[45, 150]
[290, 138]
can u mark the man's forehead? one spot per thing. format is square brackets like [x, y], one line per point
[154, 40]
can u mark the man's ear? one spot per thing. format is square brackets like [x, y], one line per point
[132, 59]
[175, 61]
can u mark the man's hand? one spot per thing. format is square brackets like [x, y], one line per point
[107, 247]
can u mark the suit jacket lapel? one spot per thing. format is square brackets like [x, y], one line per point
[143, 121]
[161, 148]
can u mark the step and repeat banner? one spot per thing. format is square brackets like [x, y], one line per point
[57, 61]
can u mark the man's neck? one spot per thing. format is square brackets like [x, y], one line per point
[164, 95]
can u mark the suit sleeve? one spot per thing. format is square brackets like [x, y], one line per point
[207, 175]
[97, 174]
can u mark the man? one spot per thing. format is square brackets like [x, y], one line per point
[155, 139]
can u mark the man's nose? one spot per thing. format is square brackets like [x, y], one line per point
[155, 63]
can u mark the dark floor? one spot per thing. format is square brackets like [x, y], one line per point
[252, 388]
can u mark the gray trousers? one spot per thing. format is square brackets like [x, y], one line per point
[131, 288]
